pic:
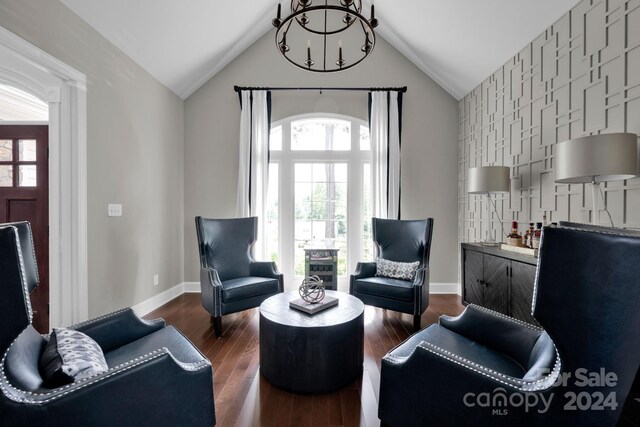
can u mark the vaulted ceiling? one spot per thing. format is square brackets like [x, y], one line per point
[458, 43]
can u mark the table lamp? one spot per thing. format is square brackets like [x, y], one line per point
[596, 159]
[487, 180]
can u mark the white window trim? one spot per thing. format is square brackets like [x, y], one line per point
[286, 158]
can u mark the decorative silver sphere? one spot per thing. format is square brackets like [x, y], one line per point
[312, 290]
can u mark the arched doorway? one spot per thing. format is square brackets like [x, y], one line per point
[31, 70]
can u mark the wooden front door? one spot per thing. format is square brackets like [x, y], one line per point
[24, 196]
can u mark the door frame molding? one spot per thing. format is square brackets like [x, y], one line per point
[65, 90]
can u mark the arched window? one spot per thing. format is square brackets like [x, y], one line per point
[319, 192]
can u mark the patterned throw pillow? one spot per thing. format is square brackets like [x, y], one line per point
[70, 355]
[395, 269]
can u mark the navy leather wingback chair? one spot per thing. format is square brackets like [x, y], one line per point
[230, 279]
[403, 241]
[486, 369]
[156, 377]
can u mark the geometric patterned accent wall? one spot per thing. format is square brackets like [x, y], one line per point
[580, 77]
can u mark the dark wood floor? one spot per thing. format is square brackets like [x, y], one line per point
[244, 398]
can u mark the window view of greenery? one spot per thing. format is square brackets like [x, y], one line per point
[320, 211]
[319, 156]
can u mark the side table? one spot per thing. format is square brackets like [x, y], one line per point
[316, 353]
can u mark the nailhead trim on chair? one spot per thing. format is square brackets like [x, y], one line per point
[515, 383]
[510, 319]
[104, 316]
[582, 230]
[417, 300]
[217, 289]
[217, 292]
[33, 251]
[5, 385]
[23, 274]
[497, 314]
[535, 279]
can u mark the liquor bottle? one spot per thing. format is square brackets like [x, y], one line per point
[536, 235]
[514, 239]
[528, 237]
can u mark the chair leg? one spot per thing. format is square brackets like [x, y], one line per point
[416, 322]
[217, 325]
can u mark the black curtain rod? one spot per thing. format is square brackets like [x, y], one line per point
[368, 89]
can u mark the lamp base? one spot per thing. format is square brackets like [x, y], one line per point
[595, 198]
[489, 240]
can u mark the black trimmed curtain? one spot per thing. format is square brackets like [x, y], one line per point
[253, 166]
[385, 128]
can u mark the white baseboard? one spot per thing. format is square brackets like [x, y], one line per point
[191, 287]
[156, 301]
[444, 288]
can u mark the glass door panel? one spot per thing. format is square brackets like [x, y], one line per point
[320, 206]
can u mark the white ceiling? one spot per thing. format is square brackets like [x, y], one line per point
[183, 44]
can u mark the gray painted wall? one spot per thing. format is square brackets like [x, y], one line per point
[579, 77]
[429, 175]
[135, 157]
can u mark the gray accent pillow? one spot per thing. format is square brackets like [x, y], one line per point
[395, 269]
[70, 355]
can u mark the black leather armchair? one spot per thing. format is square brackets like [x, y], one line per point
[484, 368]
[403, 241]
[156, 377]
[230, 279]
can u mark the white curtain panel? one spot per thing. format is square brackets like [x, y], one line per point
[253, 166]
[393, 168]
[384, 128]
[243, 205]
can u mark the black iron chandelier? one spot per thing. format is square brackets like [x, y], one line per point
[325, 35]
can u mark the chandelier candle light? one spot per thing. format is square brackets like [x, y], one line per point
[335, 33]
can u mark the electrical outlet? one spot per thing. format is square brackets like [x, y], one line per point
[156, 280]
[114, 209]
